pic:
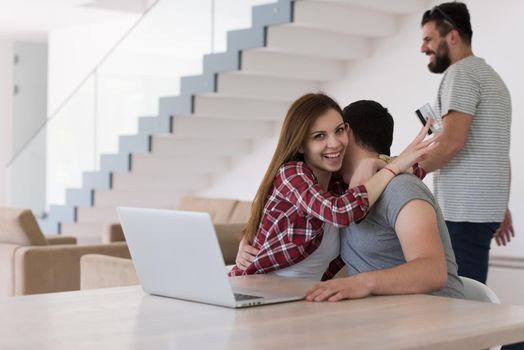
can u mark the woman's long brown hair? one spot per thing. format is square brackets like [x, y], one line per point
[300, 116]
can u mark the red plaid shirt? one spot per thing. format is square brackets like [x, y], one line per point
[292, 222]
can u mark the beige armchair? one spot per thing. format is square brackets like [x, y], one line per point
[102, 271]
[30, 263]
[222, 212]
[220, 209]
[241, 213]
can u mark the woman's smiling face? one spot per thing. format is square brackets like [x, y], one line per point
[325, 143]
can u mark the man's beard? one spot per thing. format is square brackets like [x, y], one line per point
[442, 60]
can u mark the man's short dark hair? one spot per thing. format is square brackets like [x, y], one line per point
[372, 125]
[448, 16]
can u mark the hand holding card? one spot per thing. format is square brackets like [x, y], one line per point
[425, 112]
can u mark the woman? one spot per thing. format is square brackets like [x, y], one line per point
[299, 206]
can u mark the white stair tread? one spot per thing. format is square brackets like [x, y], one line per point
[267, 62]
[345, 18]
[172, 145]
[155, 164]
[317, 43]
[218, 128]
[160, 181]
[244, 84]
[245, 108]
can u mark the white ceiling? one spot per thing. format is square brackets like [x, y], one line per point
[31, 20]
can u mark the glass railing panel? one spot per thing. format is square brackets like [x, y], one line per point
[70, 142]
[36, 176]
[168, 44]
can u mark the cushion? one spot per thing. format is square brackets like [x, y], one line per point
[241, 213]
[112, 233]
[229, 238]
[19, 226]
[218, 208]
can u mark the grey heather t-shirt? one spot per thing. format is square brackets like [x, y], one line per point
[474, 185]
[373, 244]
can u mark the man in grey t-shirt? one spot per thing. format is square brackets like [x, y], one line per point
[471, 164]
[374, 244]
[402, 246]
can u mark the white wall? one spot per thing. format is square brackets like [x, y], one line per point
[396, 75]
[30, 100]
[245, 175]
[26, 176]
[495, 27]
[6, 109]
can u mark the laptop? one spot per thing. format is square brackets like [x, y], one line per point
[176, 254]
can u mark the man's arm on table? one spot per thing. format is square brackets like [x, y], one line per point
[425, 269]
[454, 137]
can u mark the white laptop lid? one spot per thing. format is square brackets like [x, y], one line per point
[176, 254]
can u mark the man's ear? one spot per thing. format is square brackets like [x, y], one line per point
[454, 37]
[348, 129]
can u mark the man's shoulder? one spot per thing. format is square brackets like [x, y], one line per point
[406, 186]
[403, 189]
[404, 181]
[470, 62]
[471, 68]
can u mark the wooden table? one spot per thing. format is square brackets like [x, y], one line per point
[127, 318]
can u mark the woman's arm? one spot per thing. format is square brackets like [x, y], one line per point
[414, 152]
[297, 184]
[370, 166]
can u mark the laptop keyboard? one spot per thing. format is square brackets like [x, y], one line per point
[242, 297]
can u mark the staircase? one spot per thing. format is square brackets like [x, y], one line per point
[238, 102]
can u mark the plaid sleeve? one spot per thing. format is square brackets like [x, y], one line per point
[297, 183]
[273, 258]
[291, 245]
[334, 267]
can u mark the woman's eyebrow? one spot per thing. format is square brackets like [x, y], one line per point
[336, 127]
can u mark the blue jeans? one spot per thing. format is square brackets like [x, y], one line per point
[471, 243]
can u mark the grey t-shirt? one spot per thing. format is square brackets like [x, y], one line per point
[373, 244]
